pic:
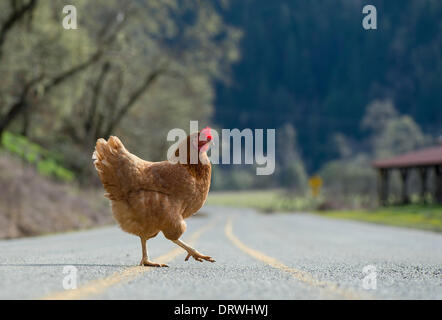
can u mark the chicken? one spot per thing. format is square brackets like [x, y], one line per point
[149, 197]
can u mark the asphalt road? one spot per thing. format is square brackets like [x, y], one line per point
[258, 256]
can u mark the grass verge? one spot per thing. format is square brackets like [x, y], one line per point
[426, 217]
[262, 200]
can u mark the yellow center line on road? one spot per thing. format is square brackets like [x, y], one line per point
[300, 275]
[98, 286]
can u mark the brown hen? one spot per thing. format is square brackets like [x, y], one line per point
[149, 197]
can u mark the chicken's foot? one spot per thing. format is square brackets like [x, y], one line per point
[147, 263]
[191, 252]
[144, 260]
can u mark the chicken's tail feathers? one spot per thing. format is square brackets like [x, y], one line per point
[115, 143]
[107, 149]
[108, 157]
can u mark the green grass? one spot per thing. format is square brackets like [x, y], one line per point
[426, 217]
[47, 163]
[263, 200]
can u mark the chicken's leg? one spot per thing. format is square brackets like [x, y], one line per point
[192, 252]
[144, 260]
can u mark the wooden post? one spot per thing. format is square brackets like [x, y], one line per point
[383, 186]
[438, 182]
[404, 175]
[423, 171]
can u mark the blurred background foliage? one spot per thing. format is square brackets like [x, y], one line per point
[338, 95]
[314, 66]
[133, 68]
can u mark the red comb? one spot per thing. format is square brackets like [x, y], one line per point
[207, 133]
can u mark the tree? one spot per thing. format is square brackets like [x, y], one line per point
[118, 73]
[378, 114]
[37, 78]
[18, 11]
[291, 172]
[346, 178]
[165, 80]
[312, 64]
[399, 136]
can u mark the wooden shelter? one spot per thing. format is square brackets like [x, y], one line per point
[423, 161]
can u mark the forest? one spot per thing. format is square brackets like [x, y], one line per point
[311, 64]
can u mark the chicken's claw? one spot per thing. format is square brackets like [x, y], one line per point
[198, 257]
[147, 263]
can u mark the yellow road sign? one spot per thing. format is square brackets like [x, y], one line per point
[315, 184]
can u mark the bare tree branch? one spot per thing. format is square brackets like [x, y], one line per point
[60, 78]
[103, 45]
[16, 15]
[133, 98]
[96, 92]
[112, 99]
[18, 106]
